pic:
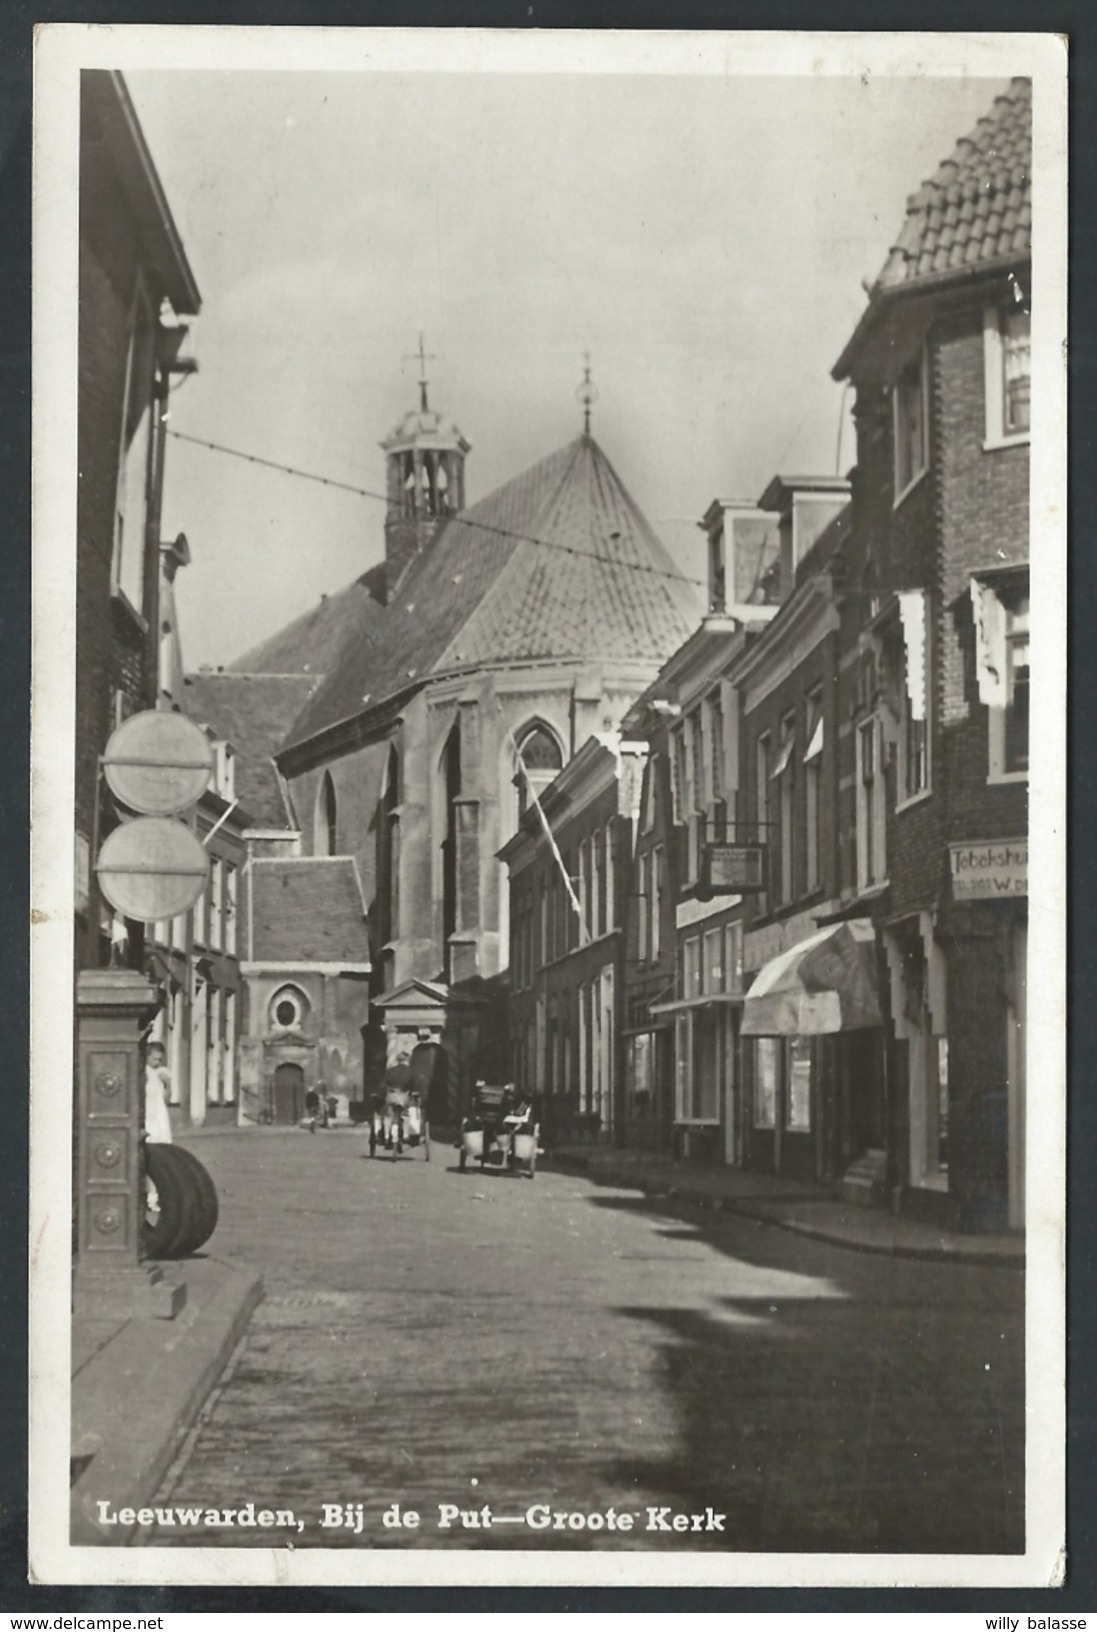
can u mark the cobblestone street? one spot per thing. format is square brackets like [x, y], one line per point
[431, 1338]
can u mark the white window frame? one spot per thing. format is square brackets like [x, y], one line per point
[910, 480]
[611, 899]
[813, 789]
[656, 939]
[1016, 630]
[871, 807]
[782, 775]
[643, 906]
[231, 907]
[995, 432]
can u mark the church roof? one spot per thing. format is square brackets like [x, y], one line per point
[307, 909]
[309, 643]
[557, 563]
[250, 712]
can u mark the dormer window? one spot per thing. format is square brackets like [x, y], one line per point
[910, 423]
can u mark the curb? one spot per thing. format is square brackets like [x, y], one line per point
[973, 1256]
[166, 1373]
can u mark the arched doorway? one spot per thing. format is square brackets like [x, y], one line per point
[288, 1105]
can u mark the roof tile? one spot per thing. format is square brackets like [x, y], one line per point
[969, 196]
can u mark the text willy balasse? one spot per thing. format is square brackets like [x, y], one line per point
[351, 1518]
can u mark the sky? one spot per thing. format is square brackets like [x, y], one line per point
[703, 238]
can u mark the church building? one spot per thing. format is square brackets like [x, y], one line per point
[452, 680]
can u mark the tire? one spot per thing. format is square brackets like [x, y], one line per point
[206, 1210]
[168, 1227]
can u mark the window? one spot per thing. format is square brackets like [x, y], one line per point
[813, 803]
[782, 775]
[1015, 734]
[595, 884]
[217, 900]
[716, 737]
[761, 806]
[324, 829]
[539, 762]
[871, 806]
[1007, 375]
[798, 1096]
[733, 957]
[909, 399]
[230, 907]
[717, 575]
[691, 967]
[656, 900]
[643, 906]
[131, 505]
[765, 1082]
[914, 722]
[713, 974]
[611, 906]
[288, 1009]
[1002, 667]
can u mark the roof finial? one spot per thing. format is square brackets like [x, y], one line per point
[586, 393]
[424, 357]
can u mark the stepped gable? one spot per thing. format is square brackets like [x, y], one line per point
[307, 909]
[480, 594]
[977, 207]
[251, 711]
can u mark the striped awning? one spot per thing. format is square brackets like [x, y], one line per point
[826, 983]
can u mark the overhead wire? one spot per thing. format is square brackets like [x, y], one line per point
[457, 519]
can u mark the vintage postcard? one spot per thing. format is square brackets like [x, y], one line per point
[535, 753]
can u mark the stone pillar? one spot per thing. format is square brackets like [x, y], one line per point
[109, 1279]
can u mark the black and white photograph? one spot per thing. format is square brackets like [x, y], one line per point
[535, 754]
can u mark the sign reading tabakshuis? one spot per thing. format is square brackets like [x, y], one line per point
[989, 870]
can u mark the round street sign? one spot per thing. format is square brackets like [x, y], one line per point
[158, 763]
[152, 868]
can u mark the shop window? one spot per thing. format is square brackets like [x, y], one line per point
[765, 1082]
[910, 418]
[797, 1053]
[1007, 373]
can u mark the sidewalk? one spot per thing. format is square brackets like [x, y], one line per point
[138, 1384]
[802, 1208]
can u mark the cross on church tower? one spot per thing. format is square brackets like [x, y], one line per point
[586, 393]
[424, 357]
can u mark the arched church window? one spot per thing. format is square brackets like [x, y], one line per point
[324, 834]
[388, 852]
[451, 777]
[540, 760]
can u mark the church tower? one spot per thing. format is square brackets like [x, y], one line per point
[425, 474]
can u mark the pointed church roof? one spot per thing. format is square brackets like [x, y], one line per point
[557, 563]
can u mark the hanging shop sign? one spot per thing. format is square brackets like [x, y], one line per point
[158, 763]
[152, 868]
[732, 869]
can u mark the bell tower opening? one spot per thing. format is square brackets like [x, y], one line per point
[425, 470]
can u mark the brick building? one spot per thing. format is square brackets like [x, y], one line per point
[936, 632]
[569, 866]
[134, 277]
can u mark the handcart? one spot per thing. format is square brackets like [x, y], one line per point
[499, 1130]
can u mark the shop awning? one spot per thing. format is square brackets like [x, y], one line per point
[826, 983]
